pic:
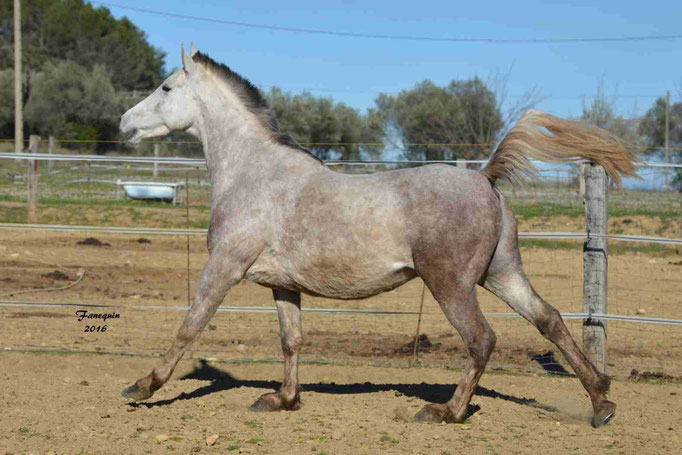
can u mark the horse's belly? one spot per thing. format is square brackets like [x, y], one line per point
[355, 287]
[332, 279]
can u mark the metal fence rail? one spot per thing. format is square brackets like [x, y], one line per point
[162, 231]
[202, 161]
[254, 309]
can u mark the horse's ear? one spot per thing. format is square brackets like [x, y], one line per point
[188, 64]
[192, 49]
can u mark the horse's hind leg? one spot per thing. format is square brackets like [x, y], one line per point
[288, 396]
[461, 308]
[520, 295]
[506, 279]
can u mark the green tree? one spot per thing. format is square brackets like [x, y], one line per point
[652, 128]
[330, 129]
[653, 124]
[602, 115]
[6, 103]
[451, 117]
[72, 102]
[56, 30]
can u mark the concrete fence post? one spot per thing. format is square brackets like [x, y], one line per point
[595, 263]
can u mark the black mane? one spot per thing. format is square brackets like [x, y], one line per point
[253, 100]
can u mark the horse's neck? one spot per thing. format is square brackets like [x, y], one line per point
[239, 153]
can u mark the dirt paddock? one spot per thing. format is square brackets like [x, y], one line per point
[70, 404]
[359, 395]
[129, 273]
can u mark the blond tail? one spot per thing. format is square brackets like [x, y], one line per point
[547, 138]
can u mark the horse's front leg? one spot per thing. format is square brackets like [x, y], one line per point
[219, 274]
[288, 396]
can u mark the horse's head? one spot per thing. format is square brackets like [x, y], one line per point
[173, 106]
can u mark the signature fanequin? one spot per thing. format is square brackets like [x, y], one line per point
[85, 314]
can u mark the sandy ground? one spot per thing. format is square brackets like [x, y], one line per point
[70, 404]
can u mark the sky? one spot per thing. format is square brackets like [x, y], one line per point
[354, 70]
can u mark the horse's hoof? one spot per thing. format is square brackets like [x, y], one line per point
[436, 413]
[136, 393]
[603, 415]
[273, 401]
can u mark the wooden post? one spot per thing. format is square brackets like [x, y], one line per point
[419, 323]
[156, 155]
[189, 296]
[680, 232]
[667, 140]
[51, 146]
[18, 92]
[32, 180]
[595, 260]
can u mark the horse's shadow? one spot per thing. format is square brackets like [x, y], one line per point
[436, 393]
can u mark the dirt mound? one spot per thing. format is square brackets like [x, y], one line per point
[57, 275]
[635, 375]
[423, 344]
[91, 241]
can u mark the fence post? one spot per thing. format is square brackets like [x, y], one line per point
[32, 180]
[51, 145]
[680, 234]
[595, 255]
[156, 155]
[667, 140]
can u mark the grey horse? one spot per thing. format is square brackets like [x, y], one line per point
[280, 218]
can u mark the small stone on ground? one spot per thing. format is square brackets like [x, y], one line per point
[211, 440]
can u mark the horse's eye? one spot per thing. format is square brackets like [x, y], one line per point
[165, 88]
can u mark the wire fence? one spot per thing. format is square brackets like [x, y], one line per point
[133, 255]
